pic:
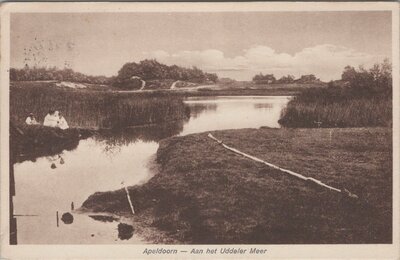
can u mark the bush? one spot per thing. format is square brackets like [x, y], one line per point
[153, 70]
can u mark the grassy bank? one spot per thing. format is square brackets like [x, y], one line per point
[204, 194]
[95, 109]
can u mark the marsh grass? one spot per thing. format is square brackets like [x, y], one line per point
[96, 109]
[337, 110]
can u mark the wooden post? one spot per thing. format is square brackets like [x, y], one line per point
[13, 220]
[72, 206]
[57, 217]
[13, 231]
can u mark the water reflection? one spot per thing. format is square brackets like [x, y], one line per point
[55, 160]
[196, 109]
[150, 133]
[266, 106]
[103, 218]
[49, 151]
[234, 113]
[39, 191]
[113, 140]
[109, 158]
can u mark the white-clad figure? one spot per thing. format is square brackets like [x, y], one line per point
[62, 123]
[31, 120]
[50, 119]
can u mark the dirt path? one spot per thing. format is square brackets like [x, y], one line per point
[174, 84]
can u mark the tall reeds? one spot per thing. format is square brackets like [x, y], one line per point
[319, 108]
[95, 109]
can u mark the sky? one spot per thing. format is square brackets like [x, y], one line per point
[231, 44]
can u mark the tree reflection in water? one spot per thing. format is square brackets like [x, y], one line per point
[266, 106]
[115, 138]
[198, 108]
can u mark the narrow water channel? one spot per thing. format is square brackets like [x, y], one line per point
[111, 161]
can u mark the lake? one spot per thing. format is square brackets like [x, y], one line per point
[112, 160]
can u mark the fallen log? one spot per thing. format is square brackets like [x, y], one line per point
[297, 175]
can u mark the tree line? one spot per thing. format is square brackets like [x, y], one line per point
[42, 73]
[270, 79]
[366, 82]
[361, 83]
[145, 69]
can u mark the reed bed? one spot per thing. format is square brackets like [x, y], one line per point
[342, 110]
[95, 109]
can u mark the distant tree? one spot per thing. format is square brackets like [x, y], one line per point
[310, 78]
[268, 78]
[286, 79]
[366, 82]
[382, 75]
[376, 80]
[175, 72]
[349, 73]
[212, 77]
[258, 77]
[59, 76]
[151, 69]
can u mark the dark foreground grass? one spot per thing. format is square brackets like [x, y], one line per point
[206, 194]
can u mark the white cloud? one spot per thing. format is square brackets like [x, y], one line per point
[325, 61]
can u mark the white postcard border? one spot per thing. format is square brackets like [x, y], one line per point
[136, 251]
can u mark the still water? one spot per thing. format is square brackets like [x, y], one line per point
[112, 160]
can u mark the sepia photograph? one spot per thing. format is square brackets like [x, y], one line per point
[226, 125]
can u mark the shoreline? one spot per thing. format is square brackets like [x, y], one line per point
[142, 225]
[237, 89]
